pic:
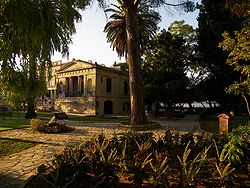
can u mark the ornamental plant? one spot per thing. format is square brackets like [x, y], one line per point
[191, 167]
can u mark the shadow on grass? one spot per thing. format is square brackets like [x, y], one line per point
[14, 145]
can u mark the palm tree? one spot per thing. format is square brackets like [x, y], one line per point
[116, 28]
[33, 30]
[129, 41]
[130, 21]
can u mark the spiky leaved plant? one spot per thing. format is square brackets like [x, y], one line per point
[160, 170]
[223, 166]
[191, 168]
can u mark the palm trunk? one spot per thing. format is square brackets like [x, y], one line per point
[138, 116]
[32, 85]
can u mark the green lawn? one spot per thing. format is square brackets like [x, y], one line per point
[7, 124]
[98, 119]
[211, 124]
[41, 115]
[18, 120]
[47, 115]
[9, 146]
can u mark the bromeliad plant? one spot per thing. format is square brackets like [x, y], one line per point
[104, 162]
[139, 157]
[223, 167]
[68, 168]
[191, 168]
[138, 166]
[160, 170]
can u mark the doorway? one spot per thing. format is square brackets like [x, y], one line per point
[108, 107]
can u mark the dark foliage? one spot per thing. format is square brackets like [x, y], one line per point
[133, 159]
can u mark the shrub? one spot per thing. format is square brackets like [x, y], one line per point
[238, 145]
[36, 124]
[40, 126]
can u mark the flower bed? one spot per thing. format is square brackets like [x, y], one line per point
[143, 160]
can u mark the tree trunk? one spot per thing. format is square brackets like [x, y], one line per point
[31, 109]
[156, 110]
[191, 109]
[247, 104]
[138, 116]
[31, 87]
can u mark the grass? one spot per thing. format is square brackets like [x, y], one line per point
[40, 115]
[7, 124]
[211, 124]
[9, 146]
[98, 119]
[18, 120]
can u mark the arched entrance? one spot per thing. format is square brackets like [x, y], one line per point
[108, 107]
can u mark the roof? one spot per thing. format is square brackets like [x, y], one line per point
[81, 65]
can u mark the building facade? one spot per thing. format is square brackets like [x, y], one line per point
[87, 88]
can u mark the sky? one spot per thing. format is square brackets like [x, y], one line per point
[89, 43]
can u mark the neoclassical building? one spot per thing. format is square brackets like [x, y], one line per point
[88, 88]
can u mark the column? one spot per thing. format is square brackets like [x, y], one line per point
[70, 86]
[94, 85]
[53, 95]
[50, 94]
[67, 87]
[85, 86]
[79, 86]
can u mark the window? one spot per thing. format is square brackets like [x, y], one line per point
[125, 88]
[101, 79]
[108, 85]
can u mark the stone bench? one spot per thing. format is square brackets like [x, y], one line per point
[5, 111]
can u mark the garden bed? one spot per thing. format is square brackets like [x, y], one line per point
[142, 160]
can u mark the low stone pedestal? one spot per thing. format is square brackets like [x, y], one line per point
[225, 123]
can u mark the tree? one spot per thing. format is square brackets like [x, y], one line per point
[165, 66]
[133, 53]
[116, 28]
[187, 32]
[238, 46]
[12, 93]
[214, 18]
[195, 72]
[32, 31]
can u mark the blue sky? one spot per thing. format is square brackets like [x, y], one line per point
[90, 43]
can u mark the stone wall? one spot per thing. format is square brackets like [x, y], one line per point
[83, 105]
